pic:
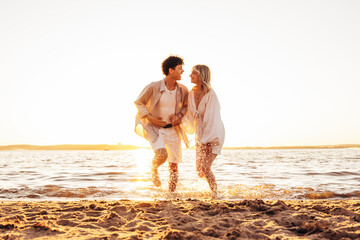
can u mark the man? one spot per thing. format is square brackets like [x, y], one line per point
[161, 106]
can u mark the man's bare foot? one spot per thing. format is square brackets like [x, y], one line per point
[173, 195]
[155, 177]
[216, 196]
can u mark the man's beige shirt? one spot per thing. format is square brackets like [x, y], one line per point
[147, 102]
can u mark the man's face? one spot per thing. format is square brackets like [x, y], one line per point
[176, 73]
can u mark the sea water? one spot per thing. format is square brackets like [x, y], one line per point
[240, 174]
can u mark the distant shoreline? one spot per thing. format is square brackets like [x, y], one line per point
[132, 147]
[302, 147]
[70, 147]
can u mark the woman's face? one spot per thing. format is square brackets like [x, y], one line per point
[194, 77]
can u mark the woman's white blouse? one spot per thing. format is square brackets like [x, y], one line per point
[205, 120]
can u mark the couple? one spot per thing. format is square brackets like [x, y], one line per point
[166, 111]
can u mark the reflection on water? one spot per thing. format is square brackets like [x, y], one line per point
[250, 174]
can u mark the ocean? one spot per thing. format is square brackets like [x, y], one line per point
[241, 174]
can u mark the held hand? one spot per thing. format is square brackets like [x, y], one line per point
[175, 120]
[158, 122]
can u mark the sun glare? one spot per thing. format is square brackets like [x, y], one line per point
[143, 160]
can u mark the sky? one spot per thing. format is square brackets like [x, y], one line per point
[286, 72]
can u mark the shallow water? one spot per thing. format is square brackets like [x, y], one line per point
[250, 174]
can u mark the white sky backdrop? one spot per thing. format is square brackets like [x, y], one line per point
[286, 72]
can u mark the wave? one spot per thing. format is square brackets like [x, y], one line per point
[341, 173]
[235, 192]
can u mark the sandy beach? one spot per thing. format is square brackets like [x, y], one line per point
[181, 219]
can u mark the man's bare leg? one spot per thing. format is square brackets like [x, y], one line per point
[174, 175]
[159, 158]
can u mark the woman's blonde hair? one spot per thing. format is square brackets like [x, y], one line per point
[204, 75]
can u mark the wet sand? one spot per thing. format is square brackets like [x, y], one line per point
[181, 219]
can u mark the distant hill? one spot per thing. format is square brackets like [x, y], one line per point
[131, 147]
[301, 147]
[70, 147]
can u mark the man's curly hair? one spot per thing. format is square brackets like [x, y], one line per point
[171, 62]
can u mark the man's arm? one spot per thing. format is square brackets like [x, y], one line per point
[176, 119]
[143, 111]
[142, 100]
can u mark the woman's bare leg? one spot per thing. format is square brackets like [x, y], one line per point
[204, 160]
[209, 175]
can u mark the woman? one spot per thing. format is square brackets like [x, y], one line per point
[204, 117]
